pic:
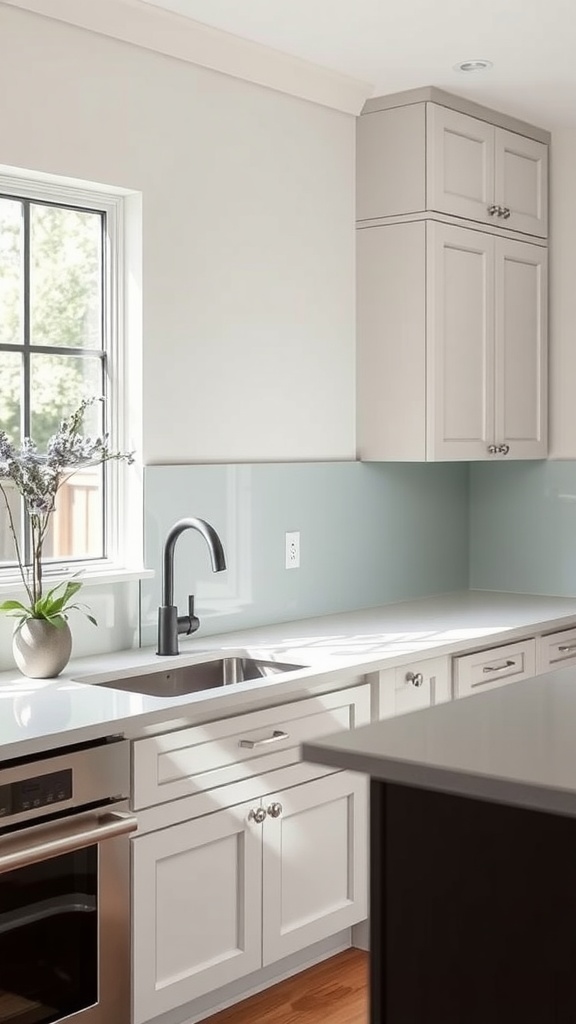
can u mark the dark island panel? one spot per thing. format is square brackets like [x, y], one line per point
[473, 911]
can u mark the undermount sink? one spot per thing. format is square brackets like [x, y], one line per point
[207, 675]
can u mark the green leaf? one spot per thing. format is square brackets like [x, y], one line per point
[10, 606]
[56, 620]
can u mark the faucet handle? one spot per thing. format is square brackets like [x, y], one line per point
[193, 620]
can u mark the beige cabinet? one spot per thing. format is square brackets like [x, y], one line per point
[451, 342]
[487, 326]
[220, 896]
[420, 157]
[481, 172]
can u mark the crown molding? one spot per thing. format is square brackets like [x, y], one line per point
[153, 28]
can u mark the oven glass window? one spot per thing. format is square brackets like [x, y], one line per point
[49, 939]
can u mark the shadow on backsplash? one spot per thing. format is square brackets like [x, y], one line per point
[369, 534]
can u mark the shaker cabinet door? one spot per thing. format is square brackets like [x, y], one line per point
[197, 908]
[460, 348]
[521, 182]
[460, 164]
[520, 349]
[315, 856]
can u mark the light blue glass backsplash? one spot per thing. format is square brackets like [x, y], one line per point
[369, 534]
[523, 527]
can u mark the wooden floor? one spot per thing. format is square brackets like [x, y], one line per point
[333, 992]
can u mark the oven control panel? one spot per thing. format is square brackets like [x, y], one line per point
[38, 791]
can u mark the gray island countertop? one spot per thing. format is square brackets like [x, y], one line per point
[515, 745]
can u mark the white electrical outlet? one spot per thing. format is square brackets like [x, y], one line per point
[293, 550]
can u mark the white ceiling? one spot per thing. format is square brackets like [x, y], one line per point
[410, 43]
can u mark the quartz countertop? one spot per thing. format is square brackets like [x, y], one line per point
[515, 745]
[37, 715]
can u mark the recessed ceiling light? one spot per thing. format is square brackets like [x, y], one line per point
[473, 65]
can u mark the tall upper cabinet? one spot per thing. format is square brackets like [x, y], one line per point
[452, 281]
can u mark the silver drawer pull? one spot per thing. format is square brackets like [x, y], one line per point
[274, 738]
[499, 668]
[567, 648]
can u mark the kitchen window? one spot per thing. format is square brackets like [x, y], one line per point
[60, 311]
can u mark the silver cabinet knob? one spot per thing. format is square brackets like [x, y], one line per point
[416, 678]
[257, 815]
[275, 810]
[493, 210]
[504, 449]
[493, 449]
[506, 212]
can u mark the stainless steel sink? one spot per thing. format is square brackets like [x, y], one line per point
[207, 675]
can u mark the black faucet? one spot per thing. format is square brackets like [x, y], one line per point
[170, 624]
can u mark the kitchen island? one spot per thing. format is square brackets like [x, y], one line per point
[473, 850]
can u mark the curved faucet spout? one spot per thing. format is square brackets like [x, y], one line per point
[214, 546]
[170, 624]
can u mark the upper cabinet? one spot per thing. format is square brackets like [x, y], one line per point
[451, 282]
[422, 157]
[478, 171]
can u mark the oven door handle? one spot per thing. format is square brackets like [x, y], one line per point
[32, 845]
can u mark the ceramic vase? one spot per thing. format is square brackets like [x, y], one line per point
[40, 649]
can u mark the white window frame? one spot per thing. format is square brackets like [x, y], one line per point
[123, 508]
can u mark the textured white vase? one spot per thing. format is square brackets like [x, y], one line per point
[40, 649]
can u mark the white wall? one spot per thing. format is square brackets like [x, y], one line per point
[248, 235]
[563, 295]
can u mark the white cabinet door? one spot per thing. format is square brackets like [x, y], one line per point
[460, 164]
[521, 182]
[485, 173]
[196, 908]
[521, 348]
[460, 347]
[314, 862]
[487, 346]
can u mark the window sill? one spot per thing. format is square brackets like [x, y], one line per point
[88, 578]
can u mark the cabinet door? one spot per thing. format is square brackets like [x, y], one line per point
[196, 908]
[460, 342]
[521, 348]
[460, 164]
[521, 182]
[314, 862]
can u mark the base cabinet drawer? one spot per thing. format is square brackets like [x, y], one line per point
[219, 897]
[484, 670]
[557, 650]
[198, 759]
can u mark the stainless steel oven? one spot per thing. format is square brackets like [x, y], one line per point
[64, 887]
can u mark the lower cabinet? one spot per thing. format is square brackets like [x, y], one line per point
[413, 686]
[222, 895]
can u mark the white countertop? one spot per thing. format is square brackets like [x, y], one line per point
[515, 745]
[39, 715]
